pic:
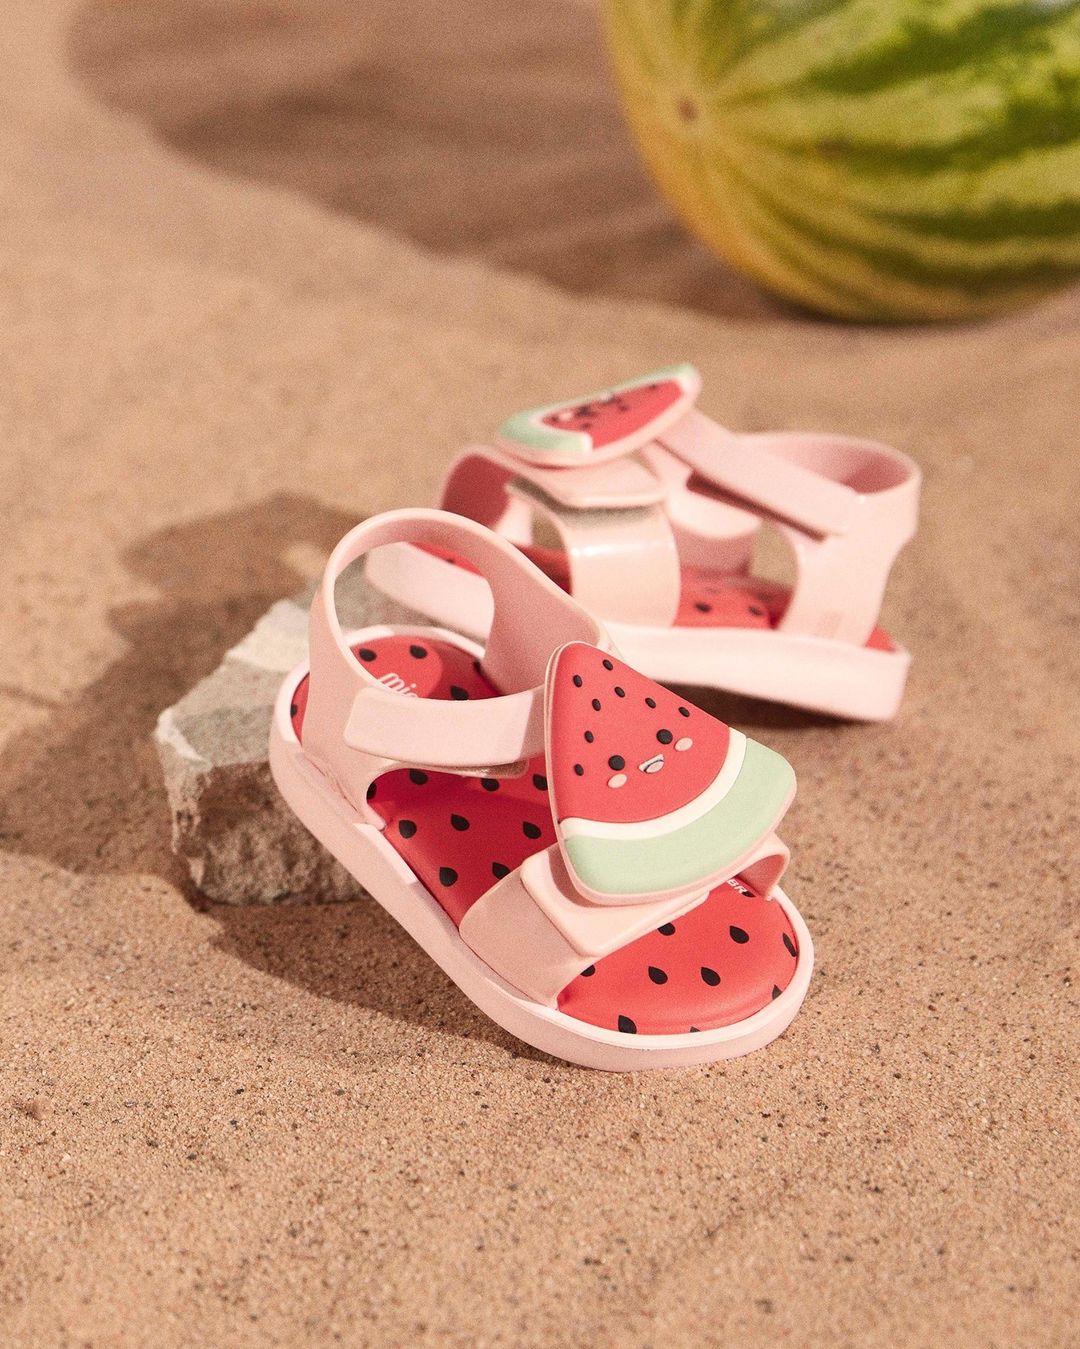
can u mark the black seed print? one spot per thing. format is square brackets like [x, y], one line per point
[650, 702]
[656, 975]
[710, 976]
[531, 830]
[589, 737]
[619, 693]
[608, 665]
[695, 1030]
[406, 828]
[579, 770]
[293, 709]
[757, 611]
[627, 1026]
[540, 782]
[775, 991]
[499, 870]
[739, 934]
[617, 762]
[458, 694]
[790, 945]
[684, 711]
[418, 652]
[703, 608]
[490, 784]
[371, 791]
[577, 681]
[447, 875]
[417, 776]
[459, 822]
[588, 971]
[666, 929]
[366, 653]
[596, 704]
[665, 737]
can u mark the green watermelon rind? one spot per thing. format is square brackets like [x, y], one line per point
[705, 851]
[527, 428]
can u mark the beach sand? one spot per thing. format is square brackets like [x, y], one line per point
[232, 1126]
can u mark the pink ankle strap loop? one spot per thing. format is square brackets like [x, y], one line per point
[622, 563]
[355, 727]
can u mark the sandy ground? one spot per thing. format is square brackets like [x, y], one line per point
[224, 1127]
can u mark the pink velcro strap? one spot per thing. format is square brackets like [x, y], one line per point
[749, 468]
[434, 733]
[538, 933]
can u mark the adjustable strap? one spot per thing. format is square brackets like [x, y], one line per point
[355, 728]
[760, 475]
[844, 506]
[538, 932]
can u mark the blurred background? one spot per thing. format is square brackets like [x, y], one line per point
[865, 160]
[469, 126]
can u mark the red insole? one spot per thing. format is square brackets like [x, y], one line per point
[706, 599]
[718, 964]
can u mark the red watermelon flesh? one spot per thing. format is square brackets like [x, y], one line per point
[616, 415]
[622, 748]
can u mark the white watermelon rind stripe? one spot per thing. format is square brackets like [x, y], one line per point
[576, 826]
[703, 852]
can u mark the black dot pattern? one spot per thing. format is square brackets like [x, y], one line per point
[739, 934]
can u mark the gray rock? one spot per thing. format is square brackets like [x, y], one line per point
[239, 839]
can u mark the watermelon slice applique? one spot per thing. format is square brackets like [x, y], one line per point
[602, 425]
[651, 795]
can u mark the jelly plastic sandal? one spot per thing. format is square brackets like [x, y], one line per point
[591, 859]
[655, 509]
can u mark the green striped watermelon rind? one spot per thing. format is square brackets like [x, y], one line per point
[898, 161]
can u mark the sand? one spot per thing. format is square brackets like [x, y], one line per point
[246, 1126]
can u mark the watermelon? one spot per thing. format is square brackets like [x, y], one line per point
[893, 161]
[602, 425]
[650, 794]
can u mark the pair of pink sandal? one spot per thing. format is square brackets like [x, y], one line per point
[592, 859]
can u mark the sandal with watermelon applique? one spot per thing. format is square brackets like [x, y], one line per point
[591, 859]
[655, 509]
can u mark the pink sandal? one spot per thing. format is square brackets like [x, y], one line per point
[655, 509]
[591, 859]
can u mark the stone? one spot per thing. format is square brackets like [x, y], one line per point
[238, 838]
